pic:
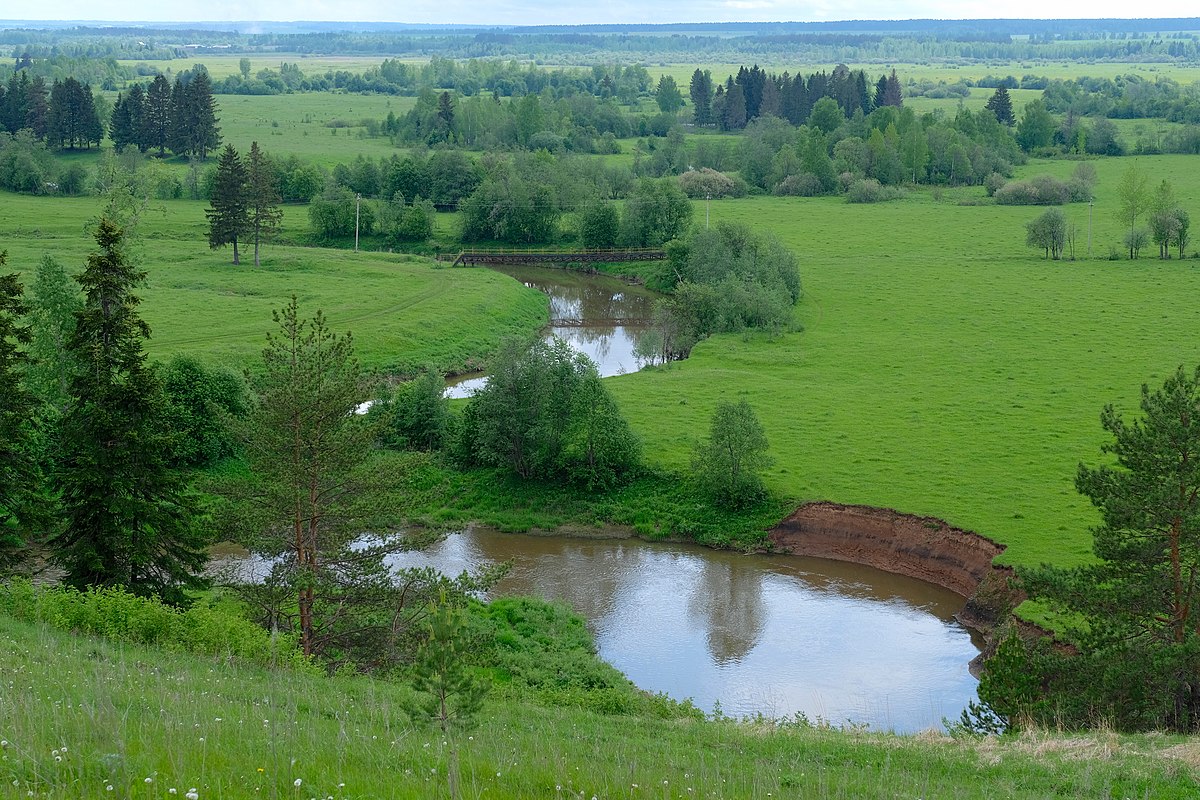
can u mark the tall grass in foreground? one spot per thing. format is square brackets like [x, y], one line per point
[79, 715]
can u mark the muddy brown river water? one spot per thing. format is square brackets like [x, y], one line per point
[749, 634]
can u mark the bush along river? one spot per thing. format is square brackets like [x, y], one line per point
[598, 315]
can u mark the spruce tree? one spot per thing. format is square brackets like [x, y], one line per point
[228, 217]
[202, 113]
[1000, 104]
[128, 520]
[18, 474]
[701, 91]
[262, 198]
[157, 119]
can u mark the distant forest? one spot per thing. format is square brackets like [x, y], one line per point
[1144, 40]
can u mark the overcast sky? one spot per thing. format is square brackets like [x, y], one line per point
[548, 12]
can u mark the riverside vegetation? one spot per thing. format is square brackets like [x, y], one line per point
[960, 338]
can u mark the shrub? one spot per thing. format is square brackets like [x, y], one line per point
[1041, 190]
[869, 190]
[117, 615]
[804, 184]
[993, 183]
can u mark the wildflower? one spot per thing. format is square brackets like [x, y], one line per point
[260, 769]
[109, 787]
[171, 790]
[192, 796]
[297, 783]
[58, 758]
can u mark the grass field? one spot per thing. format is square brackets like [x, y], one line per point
[944, 367]
[404, 311]
[82, 718]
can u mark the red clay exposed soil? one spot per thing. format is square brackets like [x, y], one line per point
[920, 547]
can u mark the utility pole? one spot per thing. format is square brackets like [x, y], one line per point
[1091, 204]
[357, 203]
[707, 203]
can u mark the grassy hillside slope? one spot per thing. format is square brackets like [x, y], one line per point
[85, 718]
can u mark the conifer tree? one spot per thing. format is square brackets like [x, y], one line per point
[228, 217]
[701, 92]
[1000, 104]
[128, 520]
[157, 119]
[18, 480]
[262, 198]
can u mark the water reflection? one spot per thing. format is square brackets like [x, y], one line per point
[758, 634]
[728, 602]
[598, 315]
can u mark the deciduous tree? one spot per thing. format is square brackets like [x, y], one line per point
[18, 473]
[729, 461]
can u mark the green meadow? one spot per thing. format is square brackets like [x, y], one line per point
[943, 368]
[83, 717]
[404, 311]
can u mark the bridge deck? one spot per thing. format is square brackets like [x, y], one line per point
[471, 257]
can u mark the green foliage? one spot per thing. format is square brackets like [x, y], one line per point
[599, 225]
[545, 650]
[1135, 611]
[1048, 232]
[729, 461]
[453, 693]
[263, 214]
[511, 206]
[53, 301]
[724, 279]
[18, 473]
[417, 414]
[207, 629]
[656, 212]
[228, 216]
[307, 502]
[544, 414]
[129, 520]
[668, 96]
[201, 403]
[334, 214]
[1000, 104]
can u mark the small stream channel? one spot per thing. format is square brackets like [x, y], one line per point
[599, 315]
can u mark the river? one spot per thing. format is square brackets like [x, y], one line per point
[769, 634]
[598, 315]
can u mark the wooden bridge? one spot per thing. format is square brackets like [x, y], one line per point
[472, 257]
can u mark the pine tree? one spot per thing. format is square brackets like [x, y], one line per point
[121, 126]
[18, 479]
[129, 521]
[262, 198]
[135, 103]
[304, 444]
[228, 216]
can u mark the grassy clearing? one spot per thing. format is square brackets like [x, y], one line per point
[945, 368]
[404, 311]
[79, 715]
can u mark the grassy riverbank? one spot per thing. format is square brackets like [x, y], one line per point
[944, 369]
[79, 715]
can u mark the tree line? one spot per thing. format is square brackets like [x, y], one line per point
[160, 116]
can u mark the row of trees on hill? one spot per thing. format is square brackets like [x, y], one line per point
[160, 116]
[65, 115]
[754, 93]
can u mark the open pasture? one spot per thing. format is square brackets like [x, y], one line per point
[944, 368]
[404, 311]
